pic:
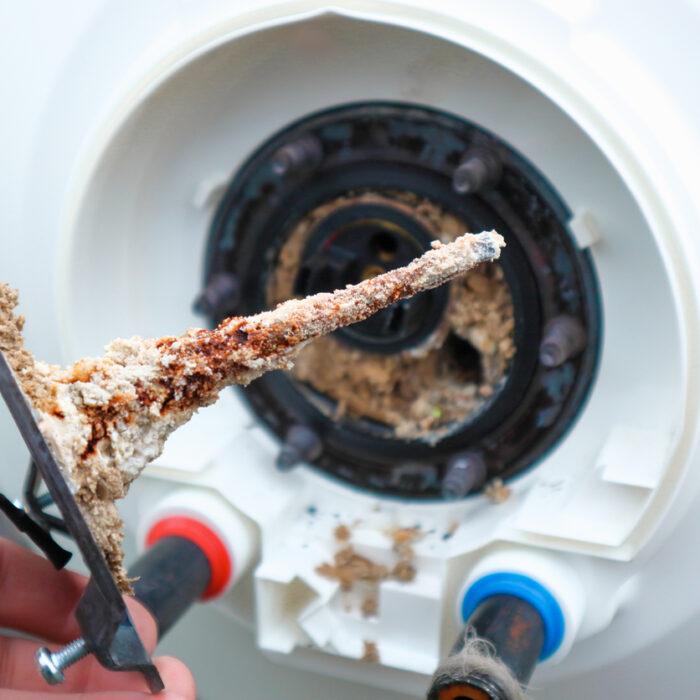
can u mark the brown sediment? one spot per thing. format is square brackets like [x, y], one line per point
[349, 568]
[370, 604]
[404, 571]
[38, 391]
[404, 538]
[496, 491]
[106, 418]
[370, 653]
[424, 391]
[342, 533]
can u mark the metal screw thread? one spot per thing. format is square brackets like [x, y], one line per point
[71, 653]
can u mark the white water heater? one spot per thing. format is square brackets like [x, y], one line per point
[168, 164]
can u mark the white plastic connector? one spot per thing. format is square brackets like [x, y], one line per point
[235, 532]
[551, 572]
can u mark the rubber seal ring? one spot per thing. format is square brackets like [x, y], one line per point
[527, 589]
[207, 540]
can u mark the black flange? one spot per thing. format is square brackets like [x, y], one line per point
[382, 148]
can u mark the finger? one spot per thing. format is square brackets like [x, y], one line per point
[89, 676]
[99, 695]
[18, 671]
[37, 599]
[177, 678]
[34, 597]
[18, 667]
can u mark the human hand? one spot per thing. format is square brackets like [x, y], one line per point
[38, 600]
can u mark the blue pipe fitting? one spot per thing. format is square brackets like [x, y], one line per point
[527, 589]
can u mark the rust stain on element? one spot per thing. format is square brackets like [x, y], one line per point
[106, 418]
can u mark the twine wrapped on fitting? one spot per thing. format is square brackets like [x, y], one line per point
[476, 658]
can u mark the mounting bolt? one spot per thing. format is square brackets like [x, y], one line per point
[220, 296]
[51, 664]
[479, 169]
[465, 472]
[301, 444]
[564, 338]
[305, 152]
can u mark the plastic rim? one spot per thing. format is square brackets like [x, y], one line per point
[527, 589]
[207, 540]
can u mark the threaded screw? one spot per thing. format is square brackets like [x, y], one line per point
[52, 663]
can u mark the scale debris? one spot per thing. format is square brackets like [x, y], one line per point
[106, 418]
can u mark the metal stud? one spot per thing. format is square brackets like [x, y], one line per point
[465, 472]
[301, 444]
[564, 338]
[305, 152]
[479, 169]
[219, 297]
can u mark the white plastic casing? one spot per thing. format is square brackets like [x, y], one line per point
[599, 496]
[128, 143]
